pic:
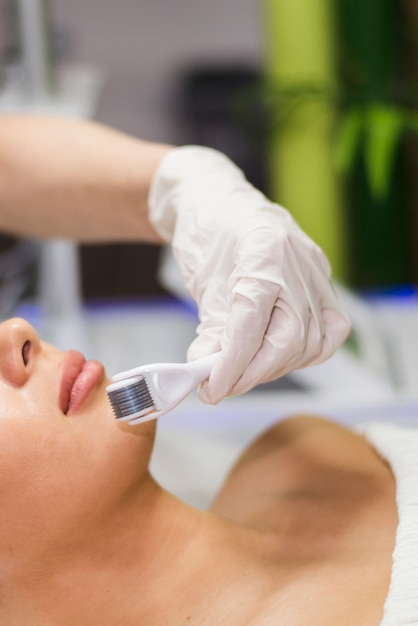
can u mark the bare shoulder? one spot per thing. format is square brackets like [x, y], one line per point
[316, 492]
[304, 453]
[307, 438]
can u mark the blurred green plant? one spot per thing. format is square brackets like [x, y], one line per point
[375, 128]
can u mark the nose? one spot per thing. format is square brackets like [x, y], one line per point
[19, 345]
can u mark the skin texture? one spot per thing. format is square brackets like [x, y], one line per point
[87, 537]
[63, 178]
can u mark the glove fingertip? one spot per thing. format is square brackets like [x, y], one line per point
[206, 396]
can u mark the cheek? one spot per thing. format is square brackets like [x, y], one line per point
[57, 480]
[35, 463]
[48, 466]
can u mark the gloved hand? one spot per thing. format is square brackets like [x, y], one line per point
[261, 285]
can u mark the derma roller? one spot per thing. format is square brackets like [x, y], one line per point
[146, 392]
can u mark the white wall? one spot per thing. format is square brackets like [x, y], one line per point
[144, 44]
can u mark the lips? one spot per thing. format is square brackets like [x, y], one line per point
[78, 378]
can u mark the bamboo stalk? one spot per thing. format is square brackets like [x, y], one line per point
[300, 51]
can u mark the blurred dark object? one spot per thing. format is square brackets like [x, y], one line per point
[409, 69]
[18, 272]
[372, 37]
[120, 270]
[221, 108]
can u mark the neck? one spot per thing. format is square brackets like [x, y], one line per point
[136, 565]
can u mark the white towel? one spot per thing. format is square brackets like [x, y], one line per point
[398, 445]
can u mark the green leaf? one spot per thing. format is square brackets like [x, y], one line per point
[348, 139]
[384, 126]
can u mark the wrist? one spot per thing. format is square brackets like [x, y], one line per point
[185, 177]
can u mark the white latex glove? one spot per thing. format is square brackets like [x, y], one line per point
[261, 285]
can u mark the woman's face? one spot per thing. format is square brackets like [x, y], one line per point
[65, 463]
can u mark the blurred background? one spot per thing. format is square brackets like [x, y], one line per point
[316, 100]
[323, 92]
[168, 73]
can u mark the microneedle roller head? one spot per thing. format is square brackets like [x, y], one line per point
[130, 397]
[149, 391]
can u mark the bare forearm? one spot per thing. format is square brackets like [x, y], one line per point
[75, 179]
